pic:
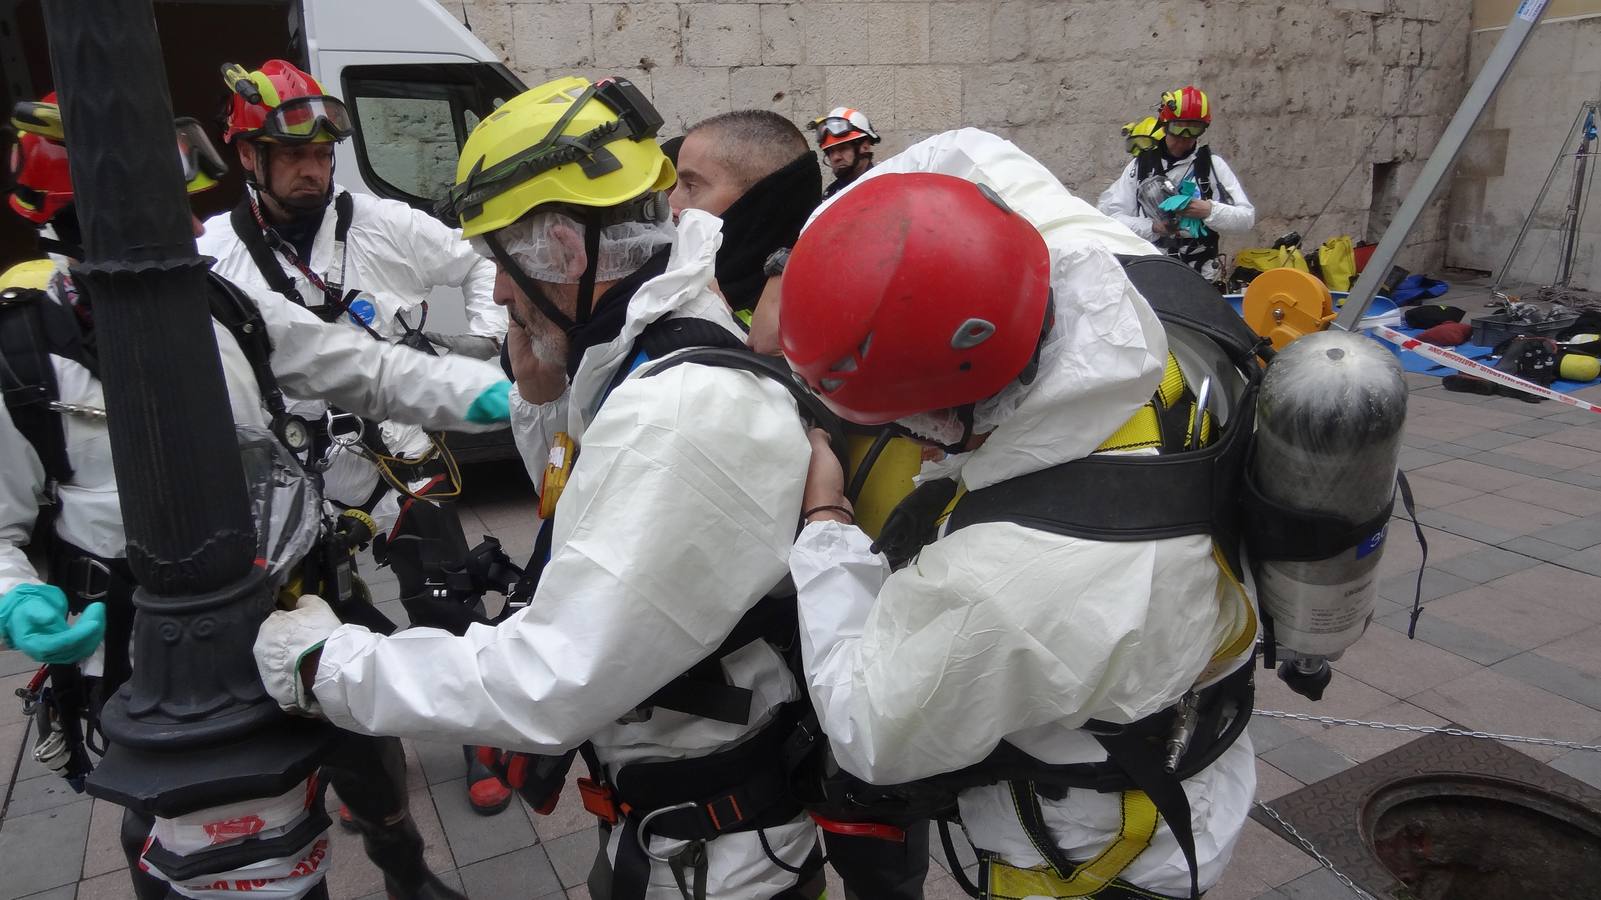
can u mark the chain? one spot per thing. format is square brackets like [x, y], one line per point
[1307, 846]
[1429, 729]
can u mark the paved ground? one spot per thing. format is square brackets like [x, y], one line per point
[1510, 494]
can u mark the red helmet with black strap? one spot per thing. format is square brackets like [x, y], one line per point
[911, 293]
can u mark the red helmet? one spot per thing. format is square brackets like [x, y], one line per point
[41, 183]
[1187, 104]
[913, 292]
[281, 103]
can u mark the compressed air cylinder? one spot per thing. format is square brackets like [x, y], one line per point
[1327, 440]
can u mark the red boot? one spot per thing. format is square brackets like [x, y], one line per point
[486, 793]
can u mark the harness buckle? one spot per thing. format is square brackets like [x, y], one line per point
[598, 798]
[90, 587]
[643, 834]
[343, 434]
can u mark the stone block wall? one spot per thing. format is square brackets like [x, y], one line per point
[1510, 155]
[1308, 96]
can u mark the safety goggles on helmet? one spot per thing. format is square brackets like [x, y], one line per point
[1139, 143]
[636, 120]
[304, 119]
[836, 126]
[197, 154]
[1184, 128]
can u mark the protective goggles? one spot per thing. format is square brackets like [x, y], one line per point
[1185, 129]
[1140, 143]
[636, 120]
[303, 118]
[197, 154]
[835, 126]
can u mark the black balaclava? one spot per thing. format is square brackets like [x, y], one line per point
[765, 218]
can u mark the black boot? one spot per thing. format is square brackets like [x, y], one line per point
[397, 852]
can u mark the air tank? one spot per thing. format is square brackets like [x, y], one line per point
[1328, 437]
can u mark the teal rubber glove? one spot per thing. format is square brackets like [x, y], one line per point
[1176, 202]
[492, 406]
[33, 619]
[1191, 227]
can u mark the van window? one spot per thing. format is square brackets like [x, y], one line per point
[412, 120]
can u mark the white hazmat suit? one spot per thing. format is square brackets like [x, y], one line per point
[1001, 632]
[676, 520]
[396, 256]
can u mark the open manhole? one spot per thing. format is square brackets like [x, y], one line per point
[1450, 818]
[1463, 836]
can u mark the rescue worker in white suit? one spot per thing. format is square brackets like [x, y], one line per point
[65, 461]
[919, 298]
[674, 524]
[1218, 201]
[369, 264]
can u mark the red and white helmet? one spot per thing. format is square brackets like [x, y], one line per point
[843, 124]
[911, 293]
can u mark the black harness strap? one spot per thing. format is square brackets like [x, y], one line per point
[249, 230]
[33, 327]
[244, 225]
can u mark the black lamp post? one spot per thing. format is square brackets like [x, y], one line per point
[193, 728]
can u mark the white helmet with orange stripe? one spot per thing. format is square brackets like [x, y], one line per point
[843, 124]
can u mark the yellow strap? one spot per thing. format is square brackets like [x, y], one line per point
[1143, 429]
[1140, 819]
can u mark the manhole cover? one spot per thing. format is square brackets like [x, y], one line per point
[1448, 818]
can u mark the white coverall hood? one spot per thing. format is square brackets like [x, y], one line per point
[1001, 632]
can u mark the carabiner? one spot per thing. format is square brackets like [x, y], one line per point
[643, 834]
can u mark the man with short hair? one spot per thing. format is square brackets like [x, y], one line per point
[753, 169]
[846, 138]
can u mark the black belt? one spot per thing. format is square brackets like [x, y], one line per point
[87, 578]
[741, 789]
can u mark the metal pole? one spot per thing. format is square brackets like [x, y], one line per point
[1440, 161]
[193, 728]
[1571, 223]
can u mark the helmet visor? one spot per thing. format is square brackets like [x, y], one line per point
[202, 164]
[1183, 128]
[303, 118]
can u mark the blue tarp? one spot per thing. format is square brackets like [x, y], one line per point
[1413, 362]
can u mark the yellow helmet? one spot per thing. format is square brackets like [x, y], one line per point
[35, 274]
[588, 148]
[1143, 135]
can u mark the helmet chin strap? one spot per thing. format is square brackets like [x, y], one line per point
[586, 281]
[263, 184]
[529, 289]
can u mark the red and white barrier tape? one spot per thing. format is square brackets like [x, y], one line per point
[1461, 363]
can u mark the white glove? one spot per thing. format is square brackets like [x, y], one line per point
[283, 641]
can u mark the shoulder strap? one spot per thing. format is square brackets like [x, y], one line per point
[1148, 163]
[344, 209]
[1179, 295]
[267, 263]
[237, 312]
[33, 327]
[812, 408]
[1203, 177]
